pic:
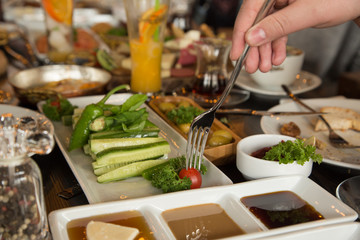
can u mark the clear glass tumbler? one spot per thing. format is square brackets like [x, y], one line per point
[59, 28]
[211, 73]
[146, 22]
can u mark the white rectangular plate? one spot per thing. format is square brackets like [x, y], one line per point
[343, 231]
[135, 187]
[228, 197]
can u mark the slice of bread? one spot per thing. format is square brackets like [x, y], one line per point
[339, 119]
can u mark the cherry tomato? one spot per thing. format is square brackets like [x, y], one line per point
[55, 104]
[193, 174]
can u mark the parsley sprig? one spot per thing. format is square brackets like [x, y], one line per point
[293, 151]
[183, 114]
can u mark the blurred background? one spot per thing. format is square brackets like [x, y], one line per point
[332, 53]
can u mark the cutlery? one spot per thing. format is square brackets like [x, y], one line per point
[251, 112]
[335, 140]
[70, 192]
[200, 127]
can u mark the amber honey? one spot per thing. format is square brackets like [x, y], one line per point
[77, 228]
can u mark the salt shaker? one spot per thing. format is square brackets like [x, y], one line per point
[22, 206]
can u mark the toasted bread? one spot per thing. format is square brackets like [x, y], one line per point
[339, 119]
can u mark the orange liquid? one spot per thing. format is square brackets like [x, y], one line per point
[145, 66]
[77, 228]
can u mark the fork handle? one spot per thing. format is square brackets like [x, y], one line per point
[264, 11]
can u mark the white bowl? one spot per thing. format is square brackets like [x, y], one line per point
[255, 168]
[285, 73]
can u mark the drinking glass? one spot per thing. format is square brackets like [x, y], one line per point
[211, 73]
[59, 28]
[146, 20]
[348, 191]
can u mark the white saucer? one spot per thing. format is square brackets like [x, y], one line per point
[304, 83]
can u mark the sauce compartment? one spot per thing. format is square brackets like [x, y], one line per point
[218, 155]
[226, 198]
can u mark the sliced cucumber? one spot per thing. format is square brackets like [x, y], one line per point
[130, 170]
[98, 145]
[108, 168]
[133, 153]
[87, 149]
[121, 134]
[102, 170]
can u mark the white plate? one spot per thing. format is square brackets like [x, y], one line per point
[344, 231]
[349, 158]
[135, 187]
[304, 83]
[228, 197]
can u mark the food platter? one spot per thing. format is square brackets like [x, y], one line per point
[40, 83]
[348, 158]
[136, 187]
[219, 154]
[228, 197]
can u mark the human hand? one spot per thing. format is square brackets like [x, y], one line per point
[268, 38]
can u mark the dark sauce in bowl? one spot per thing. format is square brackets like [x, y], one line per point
[280, 209]
[260, 153]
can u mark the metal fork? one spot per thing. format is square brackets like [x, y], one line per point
[335, 140]
[200, 127]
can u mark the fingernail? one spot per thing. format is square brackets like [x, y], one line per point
[256, 36]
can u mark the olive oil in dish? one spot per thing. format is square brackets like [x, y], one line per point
[280, 209]
[204, 221]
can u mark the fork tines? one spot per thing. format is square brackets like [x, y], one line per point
[195, 146]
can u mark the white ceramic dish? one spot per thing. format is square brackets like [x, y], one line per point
[255, 168]
[348, 158]
[228, 197]
[304, 82]
[344, 231]
[135, 187]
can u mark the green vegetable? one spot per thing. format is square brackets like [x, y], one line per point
[81, 131]
[132, 153]
[98, 145]
[151, 132]
[130, 170]
[55, 108]
[118, 31]
[120, 119]
[183, 114]
[165, 176]
[293, 151]
[105, 60]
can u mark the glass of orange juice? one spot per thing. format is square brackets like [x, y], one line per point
[146, 20]
[58, 21]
